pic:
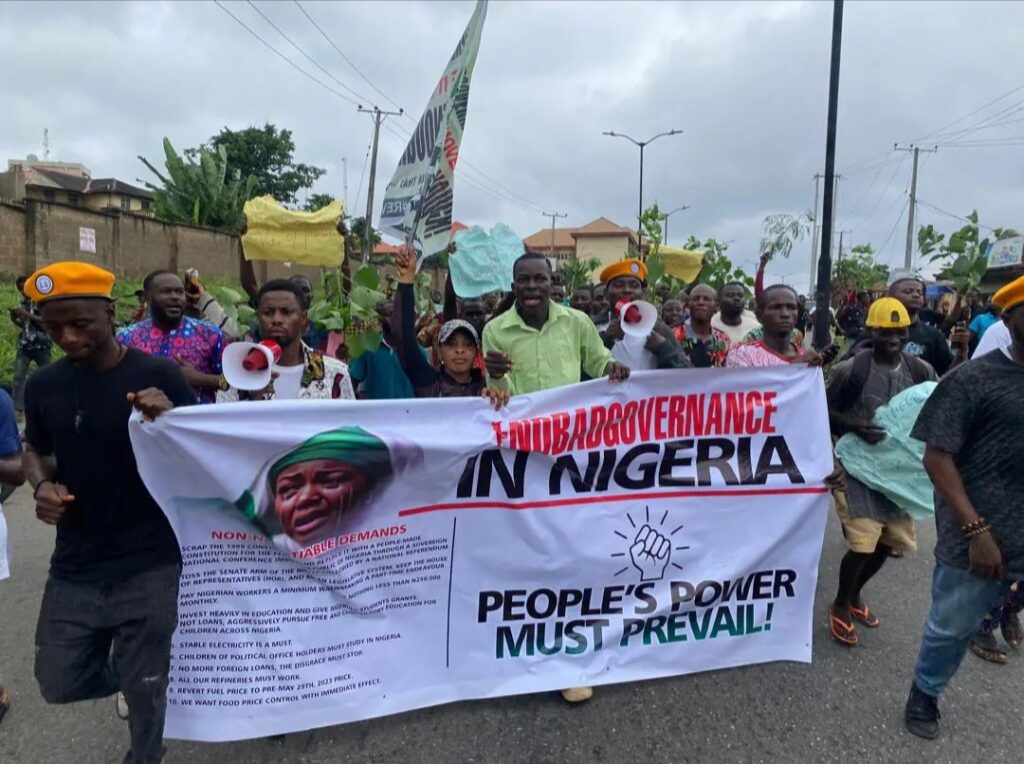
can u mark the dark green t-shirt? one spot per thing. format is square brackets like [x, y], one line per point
[977, 414]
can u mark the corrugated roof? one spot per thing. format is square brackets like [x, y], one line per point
[37, 176]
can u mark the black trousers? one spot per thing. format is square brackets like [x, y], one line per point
[95, 639]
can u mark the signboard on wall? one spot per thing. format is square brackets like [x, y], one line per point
[87, 240]
[1006, 252]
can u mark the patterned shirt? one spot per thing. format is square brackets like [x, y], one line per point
[758, 355]
[323, 378]
[33, 337]
[703, 353]
[198, 342]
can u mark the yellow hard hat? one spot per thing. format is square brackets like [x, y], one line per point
[888, 313]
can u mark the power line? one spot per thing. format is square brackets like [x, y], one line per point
[284, 57]
[867, 188]
[951, 215]
[346, 58]
[903, 158]
[894, 227]
[363, 173]
[984, 124]
[971, 114]
[304, 54]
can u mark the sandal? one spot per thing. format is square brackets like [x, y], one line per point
[5, 702]
[1012, 631]
[842, 631]
[865, 616]
[984, 645]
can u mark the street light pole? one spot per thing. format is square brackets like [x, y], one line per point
[667, 215]
[641, 145]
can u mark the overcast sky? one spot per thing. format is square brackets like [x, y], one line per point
[746, 82]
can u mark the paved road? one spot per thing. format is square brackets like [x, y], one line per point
[845, 706]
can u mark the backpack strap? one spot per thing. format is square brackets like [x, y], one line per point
[854, 385]
[918, 369]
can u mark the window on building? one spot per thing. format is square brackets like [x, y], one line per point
[146, 204]
[49, 194]
[74, 200]
[126, 203]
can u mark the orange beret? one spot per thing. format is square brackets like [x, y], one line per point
[69, 279]
[631, 267]
[1010, 296]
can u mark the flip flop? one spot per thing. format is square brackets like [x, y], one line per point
[984, 645]
[842, 631]
[1012, 631]
[865, 617]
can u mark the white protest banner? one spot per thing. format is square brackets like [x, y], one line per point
[346, 559]
[418, 200]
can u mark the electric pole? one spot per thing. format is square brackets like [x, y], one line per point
[839, 257]
[822, 321]
[553, 216]
[814, 233]
[344, 181]
[378, 117]
[908, 256]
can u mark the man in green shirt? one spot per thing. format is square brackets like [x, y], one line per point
[539, 344]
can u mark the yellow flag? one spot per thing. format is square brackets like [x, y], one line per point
[683, 264]
[305, 238]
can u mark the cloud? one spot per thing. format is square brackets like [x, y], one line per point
[746, 82]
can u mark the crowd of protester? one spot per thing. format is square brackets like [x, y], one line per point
[109, 606]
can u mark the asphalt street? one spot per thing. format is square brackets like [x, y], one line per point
[845, 706]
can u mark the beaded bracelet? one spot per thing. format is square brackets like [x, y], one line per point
[978, 531]
[981, 522]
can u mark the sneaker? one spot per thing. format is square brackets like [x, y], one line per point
[578, 694]
[922, 714]
[122, 705]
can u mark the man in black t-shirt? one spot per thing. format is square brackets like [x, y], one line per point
[110, 604]
[927, 342]
[972, 426]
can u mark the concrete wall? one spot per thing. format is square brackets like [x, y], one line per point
[607, 249]
[37, 233]
[12, 237]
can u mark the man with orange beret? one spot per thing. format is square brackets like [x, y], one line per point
[971, 426]
[624, 283]
[110, 604]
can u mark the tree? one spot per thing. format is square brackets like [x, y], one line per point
[577, 273]
[201, 193]
[265, 153]
[781, 231]
[718, 269]
[318, 202]
[858, 271]
[357, 232]
[963, 257]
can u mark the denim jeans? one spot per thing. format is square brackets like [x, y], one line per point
[960, 602]
[94, 639]
[22, 361]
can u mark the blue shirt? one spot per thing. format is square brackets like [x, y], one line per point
[10, 440]
[982, 322]
[380, 376]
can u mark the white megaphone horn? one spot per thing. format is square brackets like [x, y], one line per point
[637, 319]
[248, 366]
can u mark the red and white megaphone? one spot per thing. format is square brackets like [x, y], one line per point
[248, 366]
[637, 319]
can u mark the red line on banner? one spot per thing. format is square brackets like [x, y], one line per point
[578, 500]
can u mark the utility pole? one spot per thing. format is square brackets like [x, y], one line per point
[814, 233]
[822, 322]
[839, 257]
[378, 117]
[908, 255]
[553, 216]
[46, 144]
[344, 181]
[667, 215]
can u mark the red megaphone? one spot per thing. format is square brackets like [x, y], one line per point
[632, 315]
[256, 359]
